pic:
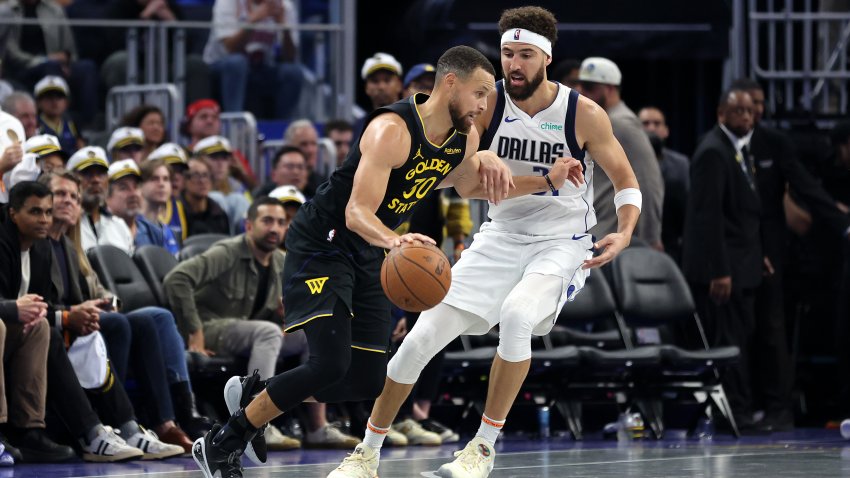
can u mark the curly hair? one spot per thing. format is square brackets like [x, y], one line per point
[535, 19]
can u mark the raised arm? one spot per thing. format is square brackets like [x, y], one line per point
[594, 131]
[385, 145]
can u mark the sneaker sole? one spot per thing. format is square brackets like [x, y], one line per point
[199, 454]
[233, 398]
[91, 457]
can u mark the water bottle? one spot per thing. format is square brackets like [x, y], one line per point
[635, 426]
[845, 429]
[543, 421]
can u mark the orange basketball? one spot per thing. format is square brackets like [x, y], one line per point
[416, 276]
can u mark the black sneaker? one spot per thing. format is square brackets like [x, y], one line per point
[36, 447]
[238, 393]
[446, 434]
[213, 462]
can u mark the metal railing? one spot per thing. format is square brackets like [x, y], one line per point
[241, 129]
[165, 96]
[805, 65]
[163, 44]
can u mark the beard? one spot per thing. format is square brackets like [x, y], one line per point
[458, 118]
[92, 201]
[264, 245]
[523, 92]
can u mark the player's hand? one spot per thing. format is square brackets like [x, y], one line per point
[400, 330]
[495, 176]
[610, 246]
[412, 238]
[720, 289]
[566, 169]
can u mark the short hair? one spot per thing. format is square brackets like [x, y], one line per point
[135, 116]
[535, 19]
[746, 84]
[262, 201]
[840, 133]
[286, 150]
[653, 107]
[10, 104]
[564, 67]
[463, 61]
[338, 125]
[47, 178]
[293, 128]
[150, 166]
[724, 97]
[24, 190]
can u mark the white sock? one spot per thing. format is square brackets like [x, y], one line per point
[375, 436]
[490, 429]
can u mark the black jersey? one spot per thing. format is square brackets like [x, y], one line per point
[426, 166]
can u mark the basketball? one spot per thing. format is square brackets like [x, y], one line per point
[416, 276]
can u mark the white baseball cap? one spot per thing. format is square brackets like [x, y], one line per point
[600, 70]
[171, 153]
[11, 131]
[211, 145]
[51, 83]
[44, 145]
[287, 194]
[86, 157]
[125, 136]
[125, 167]
[380, 61]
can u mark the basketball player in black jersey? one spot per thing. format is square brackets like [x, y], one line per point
[335, 247]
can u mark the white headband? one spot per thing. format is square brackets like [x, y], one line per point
[521, 35]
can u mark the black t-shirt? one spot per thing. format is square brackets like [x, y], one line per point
[262, 288]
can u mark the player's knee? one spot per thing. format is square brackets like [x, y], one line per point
[330, 368]
[515, 328]
[369, 381]
[415, 352]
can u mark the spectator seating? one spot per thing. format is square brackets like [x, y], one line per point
[155, 263]
[194, 245]
[121, 276]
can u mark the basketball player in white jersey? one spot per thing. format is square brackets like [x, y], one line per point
[532, 257]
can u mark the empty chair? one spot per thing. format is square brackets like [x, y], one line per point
[652, 292]
[194, 245]
[120, 275]
[155, 263]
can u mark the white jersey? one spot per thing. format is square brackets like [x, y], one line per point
[529, 146]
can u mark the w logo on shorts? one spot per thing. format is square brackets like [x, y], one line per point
[316, 284]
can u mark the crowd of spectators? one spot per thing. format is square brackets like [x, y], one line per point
[733, 216]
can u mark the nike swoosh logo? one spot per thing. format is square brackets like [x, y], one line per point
[577, 237]
[508, 119]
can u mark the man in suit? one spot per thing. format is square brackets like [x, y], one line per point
[777, 167]
[722, 256]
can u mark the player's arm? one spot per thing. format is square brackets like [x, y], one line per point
[466, 181]
[594, 129]
[384, 146]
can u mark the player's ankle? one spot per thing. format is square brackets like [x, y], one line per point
[374, 436]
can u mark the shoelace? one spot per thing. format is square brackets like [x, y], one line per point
[114, 434]
[469, 458]
[354, 462]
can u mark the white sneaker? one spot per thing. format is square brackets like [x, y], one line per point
[474, 461]
[395, 438]
[108, 447]
[148, 442]
[277, 441]
[416, 435]
[361, 463]
[238, 393]
[329, 437]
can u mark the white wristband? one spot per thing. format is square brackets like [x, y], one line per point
[628, 196]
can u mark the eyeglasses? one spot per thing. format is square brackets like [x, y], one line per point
[199, 176]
